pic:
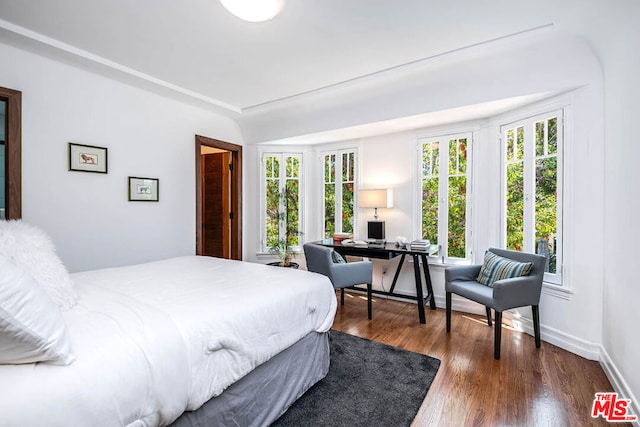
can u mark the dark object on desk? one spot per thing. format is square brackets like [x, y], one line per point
[342, 275]
[504, 295]
[389, 251]
[375, 231]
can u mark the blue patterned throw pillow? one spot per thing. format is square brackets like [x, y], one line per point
[337, 258]
[497, 268]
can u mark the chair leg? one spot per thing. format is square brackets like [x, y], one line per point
[498, 335]
[369, 300]
[341, 296]
[488, 315]
[448, 299]
[536, 324]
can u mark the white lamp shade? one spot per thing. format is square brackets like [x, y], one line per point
[254, 10]
[380, 198]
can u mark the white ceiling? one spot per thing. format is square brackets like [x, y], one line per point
[198, 49]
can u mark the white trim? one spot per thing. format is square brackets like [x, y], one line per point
[587, 349]
[617, 381]
[529, 159]
[96, 59]
[338, 152]
[443, 188]
[557, 291]
[282, 155]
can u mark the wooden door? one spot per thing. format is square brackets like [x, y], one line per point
[216, 205]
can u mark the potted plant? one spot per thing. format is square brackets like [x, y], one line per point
[283, 247]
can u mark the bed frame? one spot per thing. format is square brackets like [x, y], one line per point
[266, 393]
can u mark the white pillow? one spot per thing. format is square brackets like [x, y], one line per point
[31, 326]
[30, 248]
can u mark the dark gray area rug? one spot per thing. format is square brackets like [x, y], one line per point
[368, 384]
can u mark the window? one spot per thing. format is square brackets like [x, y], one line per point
[532, 171]
[281, 189]
[445, 207]
[339, 190]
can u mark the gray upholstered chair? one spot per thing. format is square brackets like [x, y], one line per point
[504, 295]
[341, 275]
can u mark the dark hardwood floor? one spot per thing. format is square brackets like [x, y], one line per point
[526, 387]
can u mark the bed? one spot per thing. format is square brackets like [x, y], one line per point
[189, 340]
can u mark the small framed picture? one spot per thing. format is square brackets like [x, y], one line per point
[87, 158]
[143, 189]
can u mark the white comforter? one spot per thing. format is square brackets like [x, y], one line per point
[153, 340]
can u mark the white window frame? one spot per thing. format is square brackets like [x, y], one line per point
[529, 185]
[443, 192]
[338, 187]
[263, 196]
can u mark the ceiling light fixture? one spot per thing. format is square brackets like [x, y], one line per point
[254, 10]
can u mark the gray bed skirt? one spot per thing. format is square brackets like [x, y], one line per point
[265, 393]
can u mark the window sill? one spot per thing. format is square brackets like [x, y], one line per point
[556, 291]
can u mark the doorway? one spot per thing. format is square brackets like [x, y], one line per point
[218, 198]
[10, 153]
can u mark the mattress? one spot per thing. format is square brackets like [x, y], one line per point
[131, 368]
[156, 339]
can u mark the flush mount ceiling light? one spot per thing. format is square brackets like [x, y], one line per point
[254, 10]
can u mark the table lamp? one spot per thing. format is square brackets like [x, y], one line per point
[378, 198]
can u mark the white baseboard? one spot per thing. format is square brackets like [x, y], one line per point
[586, 349]
[618, 383]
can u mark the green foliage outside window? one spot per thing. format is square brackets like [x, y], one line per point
[341, 178]
[455, 158]
[546, 189]
[515, 189]
[282, 206]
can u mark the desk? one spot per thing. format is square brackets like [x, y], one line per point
[389, 251]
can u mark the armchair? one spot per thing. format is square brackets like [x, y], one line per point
[503, 295]
[341, 275]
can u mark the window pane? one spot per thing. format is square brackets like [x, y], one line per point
[462, 155]
[329, 168]
[348, 169]
[272, 205]
[430, 160]
[293, 167]
[539, 138]
[520, 143]
[430, 168]
[347, 207]
[457, 216]
[292, 203]
[345, 167]
[510, 142]
[515, 206]
[430, 209]
[553, 135]
[546, 209]
[329, 210]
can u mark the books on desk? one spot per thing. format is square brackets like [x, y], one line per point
[420, 244]
[339, 237]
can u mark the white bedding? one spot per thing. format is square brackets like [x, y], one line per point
[155, 339]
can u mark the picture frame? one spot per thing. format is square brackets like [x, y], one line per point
[87, 158]
[143, 189]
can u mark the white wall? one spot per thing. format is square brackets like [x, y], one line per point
[87, 214]
[617, 42]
